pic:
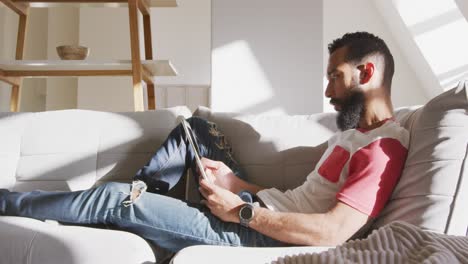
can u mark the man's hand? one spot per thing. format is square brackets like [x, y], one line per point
[221, 202]
[222, 175]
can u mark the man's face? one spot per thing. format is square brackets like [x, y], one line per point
[343, 90]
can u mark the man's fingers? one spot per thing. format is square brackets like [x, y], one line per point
[204, 192]
[210, 175]
[207, 186]
[207, 163]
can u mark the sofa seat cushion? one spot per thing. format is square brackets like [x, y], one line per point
[26, 240]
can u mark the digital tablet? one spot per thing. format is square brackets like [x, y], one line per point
[193, 144]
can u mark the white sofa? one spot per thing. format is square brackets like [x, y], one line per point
[77, 149]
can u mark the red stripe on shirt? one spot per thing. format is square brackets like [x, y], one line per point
[373, 173]
[332, 166]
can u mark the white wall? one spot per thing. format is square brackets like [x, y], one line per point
[181, 34]
[361, 15]
[267, 56]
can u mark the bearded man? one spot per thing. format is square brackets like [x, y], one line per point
[348, 188]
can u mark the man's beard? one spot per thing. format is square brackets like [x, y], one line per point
[351, 110]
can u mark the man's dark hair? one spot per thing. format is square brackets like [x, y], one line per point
[361, 44]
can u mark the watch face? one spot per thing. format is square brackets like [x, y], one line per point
[246, 213]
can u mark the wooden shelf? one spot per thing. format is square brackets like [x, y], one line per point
[44, 68]
[12, 72]
[91, 3]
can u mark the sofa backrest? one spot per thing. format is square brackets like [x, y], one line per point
[280, 151]
[275, 151]
[77, 149]
[433, 187]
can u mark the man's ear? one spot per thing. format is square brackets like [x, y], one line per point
[366, 71]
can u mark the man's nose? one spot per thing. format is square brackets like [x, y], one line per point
[328, 91]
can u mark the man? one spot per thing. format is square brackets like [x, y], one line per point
[349, 187]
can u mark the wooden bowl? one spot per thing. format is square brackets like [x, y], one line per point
[72, 52]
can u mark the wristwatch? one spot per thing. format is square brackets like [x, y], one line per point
[246, 214]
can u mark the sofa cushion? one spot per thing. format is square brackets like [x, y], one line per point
[76, 149]
[433, 187]
[12, 126]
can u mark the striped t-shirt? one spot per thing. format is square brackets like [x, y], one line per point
[360, 168]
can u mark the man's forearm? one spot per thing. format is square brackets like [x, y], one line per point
[295, 228]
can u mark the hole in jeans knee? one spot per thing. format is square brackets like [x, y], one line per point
[137, 190]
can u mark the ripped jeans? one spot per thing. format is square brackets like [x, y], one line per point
[164, 221]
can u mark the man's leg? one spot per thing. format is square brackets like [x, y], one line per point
[167, 222]
[175, 156]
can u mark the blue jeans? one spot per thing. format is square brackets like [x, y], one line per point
[164, 221]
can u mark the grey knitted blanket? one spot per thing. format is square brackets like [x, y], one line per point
[398, 242]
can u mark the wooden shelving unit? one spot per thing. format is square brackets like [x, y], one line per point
[13, 72]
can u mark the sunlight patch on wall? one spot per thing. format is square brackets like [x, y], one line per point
[240, 79]
[418, 11]
[440, 31]
[445, 49]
